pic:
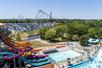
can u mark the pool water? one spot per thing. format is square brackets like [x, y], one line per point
[61, 56]
[96, 63]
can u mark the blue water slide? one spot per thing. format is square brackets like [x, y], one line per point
[40, 64]
[40, 60]
[36, 63]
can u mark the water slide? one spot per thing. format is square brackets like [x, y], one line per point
[11, 44]
[41, 60]
[37, 62]
[37, 56]
[7, 40]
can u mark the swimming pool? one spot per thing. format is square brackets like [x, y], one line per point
[61, 56]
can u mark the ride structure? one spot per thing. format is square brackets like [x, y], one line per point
[14, 52]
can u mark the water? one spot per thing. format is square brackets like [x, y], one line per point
[96, 63]
[61, 56]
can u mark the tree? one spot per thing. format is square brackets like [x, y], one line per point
[91, 32]
[95, 32]
[50, 34]
[60, 30]
[18, 37]
[83, 40]
[77, 30]
[99, 33]
[42, 32]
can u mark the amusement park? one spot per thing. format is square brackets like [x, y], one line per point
[24, 45]
[62, 34]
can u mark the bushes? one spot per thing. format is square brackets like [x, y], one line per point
[50, 34]
[42, 32]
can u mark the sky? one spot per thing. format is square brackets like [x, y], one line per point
[67, 9]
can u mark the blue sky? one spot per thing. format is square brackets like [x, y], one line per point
[80, 9]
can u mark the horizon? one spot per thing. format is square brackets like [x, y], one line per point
[49, 18]
[61, 9]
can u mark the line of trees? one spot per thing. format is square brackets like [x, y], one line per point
[73, 30]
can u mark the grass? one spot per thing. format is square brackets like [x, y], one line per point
[33, 32]
[37, 44]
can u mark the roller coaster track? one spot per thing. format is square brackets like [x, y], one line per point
[43, 15]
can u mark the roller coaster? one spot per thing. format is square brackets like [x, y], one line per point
[10, 56]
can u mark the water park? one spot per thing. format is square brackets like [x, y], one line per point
[49, 44]
[21, 54]
[50, 33]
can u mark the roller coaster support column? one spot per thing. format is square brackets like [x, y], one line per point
[51, 17]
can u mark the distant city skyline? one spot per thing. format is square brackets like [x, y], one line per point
[68, 9]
